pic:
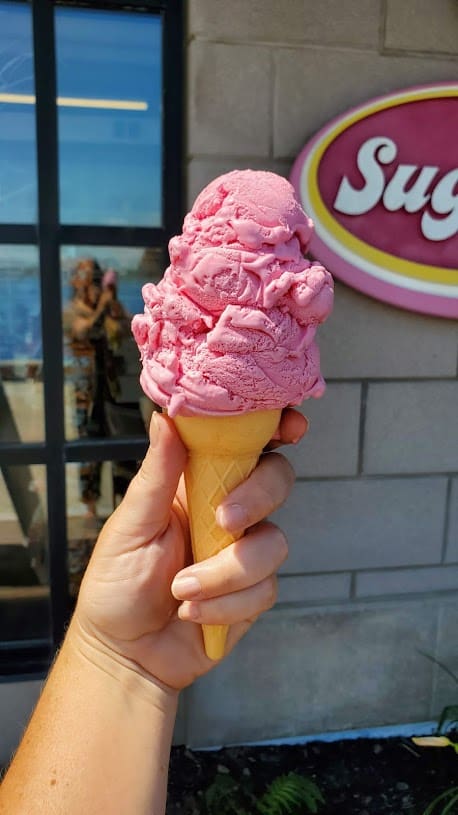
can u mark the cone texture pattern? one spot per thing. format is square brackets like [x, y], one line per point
[222, 452]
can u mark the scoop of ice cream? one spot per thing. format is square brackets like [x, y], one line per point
[230, 328]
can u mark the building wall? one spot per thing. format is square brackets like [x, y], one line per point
[373, 523]
[372, 575]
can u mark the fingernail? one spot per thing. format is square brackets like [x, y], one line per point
[186, 587]
[232, 516]
[153, 429]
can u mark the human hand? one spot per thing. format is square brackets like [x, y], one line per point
[134, 601]
[105, 298]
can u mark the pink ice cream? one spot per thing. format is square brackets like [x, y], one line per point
[231, 326]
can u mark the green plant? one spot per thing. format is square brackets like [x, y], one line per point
[291, 794]
[449, 802]
[223, 796]
[449, 716]
[448, 719]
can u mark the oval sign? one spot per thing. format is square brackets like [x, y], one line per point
[381, 184]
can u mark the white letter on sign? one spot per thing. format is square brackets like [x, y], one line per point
[352, 201]
[396, 197]
[443, 201]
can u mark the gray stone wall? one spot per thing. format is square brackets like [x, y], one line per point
[372, 577]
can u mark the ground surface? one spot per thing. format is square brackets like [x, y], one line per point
[360, 777]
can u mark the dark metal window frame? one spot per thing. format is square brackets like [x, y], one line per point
[26, 657]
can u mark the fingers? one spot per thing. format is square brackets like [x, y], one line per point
[270, 483]
[148, 500]
[233, 608]
[262, 493]
[237, 582]
[293, 426]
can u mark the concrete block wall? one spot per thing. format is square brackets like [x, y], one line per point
[372, 577]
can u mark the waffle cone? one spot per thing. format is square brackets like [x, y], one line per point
[222, 452]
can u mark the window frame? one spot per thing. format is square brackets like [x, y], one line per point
[19, 658]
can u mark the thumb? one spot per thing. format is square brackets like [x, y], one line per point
[145, 508]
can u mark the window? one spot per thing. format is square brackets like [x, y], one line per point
[90, 192]
[109, 83]
[21, 386]
[18, 177]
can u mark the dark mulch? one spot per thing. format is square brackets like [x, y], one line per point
[356, 777]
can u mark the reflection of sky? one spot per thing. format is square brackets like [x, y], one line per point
[18, 186]
[20, 334]
[110, 160]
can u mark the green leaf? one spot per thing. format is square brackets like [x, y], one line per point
[448, 809]
[449, 717]
[221, 796]
[289, 794]
[453, 791]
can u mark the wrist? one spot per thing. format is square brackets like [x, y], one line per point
[124, 672]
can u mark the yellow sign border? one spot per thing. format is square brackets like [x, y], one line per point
[379, 258]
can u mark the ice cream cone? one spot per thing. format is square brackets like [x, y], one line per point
[222, 452]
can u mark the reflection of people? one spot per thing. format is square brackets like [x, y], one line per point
[117, 319]
[94, 323]
[99, 740]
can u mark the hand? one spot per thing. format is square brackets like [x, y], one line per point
[142, 600]
[105, 298]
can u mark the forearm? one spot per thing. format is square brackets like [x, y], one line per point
[99, 741]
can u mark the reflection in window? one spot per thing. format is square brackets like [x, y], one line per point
[18, 180]
[102, 290]
[24, 594]
[103, 399]
[109, 97]
[84, 524]
[21, 387]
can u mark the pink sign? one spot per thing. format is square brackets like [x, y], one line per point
[381, 184]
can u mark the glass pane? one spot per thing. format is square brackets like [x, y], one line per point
[18, 178]
[110, 125]
[24, 590]
[102, 290]
[21, 387]
[94, 489]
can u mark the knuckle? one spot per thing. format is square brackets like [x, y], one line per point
[143, 476]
